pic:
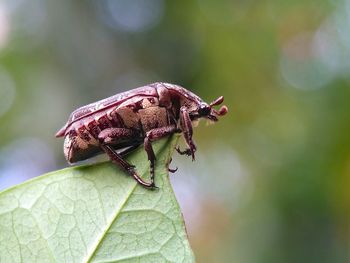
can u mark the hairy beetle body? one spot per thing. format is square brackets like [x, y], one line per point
[128, 119]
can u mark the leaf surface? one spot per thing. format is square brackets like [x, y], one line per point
[95, 213]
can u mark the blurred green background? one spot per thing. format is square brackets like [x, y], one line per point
[271, 179]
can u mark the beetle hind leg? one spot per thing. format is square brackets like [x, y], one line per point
[111, 136]
[117, 159]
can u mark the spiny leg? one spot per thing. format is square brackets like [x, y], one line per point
[186, 127]
[119, 135]
[117, 159]
[151, 136]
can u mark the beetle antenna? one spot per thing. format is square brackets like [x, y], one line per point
[218, 101]
[223, 110]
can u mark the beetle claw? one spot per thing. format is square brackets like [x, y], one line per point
[193, 149]
[153, 187]
[173, 170]
[187, 151]
[169, 169]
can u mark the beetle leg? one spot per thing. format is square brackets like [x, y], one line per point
[117, 159]
[151, 136]
[171, 170]
[186, 126]
[117, 135]
[186, 151]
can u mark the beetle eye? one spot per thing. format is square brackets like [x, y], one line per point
[204, 110]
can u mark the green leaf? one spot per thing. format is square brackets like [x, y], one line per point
[95, 213]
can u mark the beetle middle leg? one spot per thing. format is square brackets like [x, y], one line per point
[117, 159]
[154, 135]
[110, 136]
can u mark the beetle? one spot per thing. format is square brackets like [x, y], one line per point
[139, 116]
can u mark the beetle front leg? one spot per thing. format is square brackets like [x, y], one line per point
[154, 135]
[186, 151]
[186, 126]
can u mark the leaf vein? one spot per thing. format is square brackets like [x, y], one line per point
[114, 218]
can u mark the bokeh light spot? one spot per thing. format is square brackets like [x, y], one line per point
[218, 175]
[7, 91]
[226, 12]
[134, 15]
[4, 26]
[24, 158]
[301, 67]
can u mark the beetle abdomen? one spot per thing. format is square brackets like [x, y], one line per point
[79, 146]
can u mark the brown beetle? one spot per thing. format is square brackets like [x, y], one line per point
[126, 120]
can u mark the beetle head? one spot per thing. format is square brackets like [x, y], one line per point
[205, 110]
